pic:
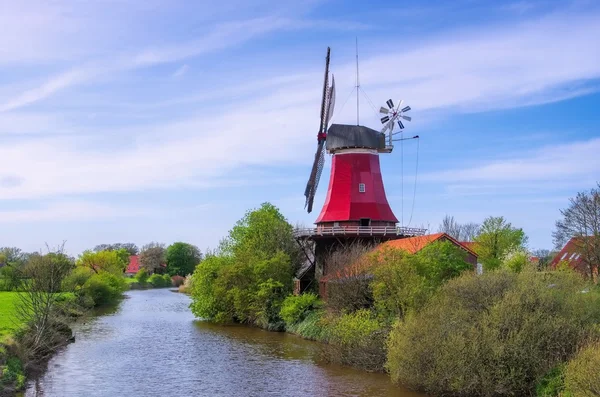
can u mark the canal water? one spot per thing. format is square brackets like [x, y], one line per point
[153, 346]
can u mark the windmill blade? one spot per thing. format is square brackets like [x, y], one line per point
[383, 110]
[315, 176]
[400, 102]
[385, 119]
[407, 118]
[406, 109]
[400, 125]
[331, 100]
[390, 103]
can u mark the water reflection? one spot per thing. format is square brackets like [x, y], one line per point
[153, 346]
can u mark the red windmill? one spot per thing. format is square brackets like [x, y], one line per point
[356, 207]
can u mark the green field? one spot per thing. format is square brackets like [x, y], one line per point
[8, 323]
[130, 280]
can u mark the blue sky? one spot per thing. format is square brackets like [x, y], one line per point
[129, 121]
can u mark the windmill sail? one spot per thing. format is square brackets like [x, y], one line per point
[327, 104]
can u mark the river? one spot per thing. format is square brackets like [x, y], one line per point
[152, 345]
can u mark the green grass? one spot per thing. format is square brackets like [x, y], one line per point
[8, 321]
[130, 280]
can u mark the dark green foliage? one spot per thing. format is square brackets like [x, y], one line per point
[497, 334]
[158, 281]
[167, 280]
[104, 288]
[182, 258]
[295, 308]
[553, 384]
[13, 373]
[249, 278]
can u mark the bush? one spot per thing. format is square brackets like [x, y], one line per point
[13, 373]
[157, 281]
[177, 281]
[493, 335]
[142, 276]
[581, 373]
[76, 279]
[553, 384]
[167, 282]
[104, 288]
[312, 327]
[356, 339]
[295, 308]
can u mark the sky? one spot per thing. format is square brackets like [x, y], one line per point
[165, 120]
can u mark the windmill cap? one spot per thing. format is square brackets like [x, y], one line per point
[344, 136]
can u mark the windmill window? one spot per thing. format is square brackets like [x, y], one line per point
[361, 187]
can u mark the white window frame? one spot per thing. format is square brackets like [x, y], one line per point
[362, 188]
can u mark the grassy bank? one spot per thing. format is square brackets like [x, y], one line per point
[8, 320]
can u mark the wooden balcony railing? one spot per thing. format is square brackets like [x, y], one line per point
[322, 231]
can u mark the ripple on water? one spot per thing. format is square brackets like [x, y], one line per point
[153, 346]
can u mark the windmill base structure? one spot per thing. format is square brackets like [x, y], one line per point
[356, 209]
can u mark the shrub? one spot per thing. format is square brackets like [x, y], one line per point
[156, 280]
[553, 384]
[177, 281]
[104, 288]
[295, 308]
[356, 339]
[167, 282]
[312, 327]
[581, 373]
[493, 335]
[13, 373]
[142, 276]
[76, 279]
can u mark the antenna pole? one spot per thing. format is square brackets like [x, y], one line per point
[357, 84]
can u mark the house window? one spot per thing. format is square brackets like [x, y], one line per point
[564, 256]
[361, 187]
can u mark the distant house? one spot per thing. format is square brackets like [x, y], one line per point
[134, 265]
[411, 245]
[571, 254]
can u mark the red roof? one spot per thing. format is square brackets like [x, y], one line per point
[134, 265]
[571, 253]
[417, 243]
[411, 245]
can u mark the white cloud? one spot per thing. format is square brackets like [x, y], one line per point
[183, 69]
[275, 126]
[560, 166]
[69, 211]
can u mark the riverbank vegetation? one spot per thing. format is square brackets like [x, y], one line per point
[426, 318]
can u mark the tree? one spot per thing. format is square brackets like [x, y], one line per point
[182, 258]
[461, 232]
[247, 280]
[260, 234]
[496, 237]
[152, 257]
[582, 221]
[36, 305]
[114, 262]
[131, 248]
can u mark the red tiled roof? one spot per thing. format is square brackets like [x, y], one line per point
[411, 245]
[571, 254]
[134, 265]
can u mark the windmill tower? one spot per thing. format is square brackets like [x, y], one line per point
[356, 207]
